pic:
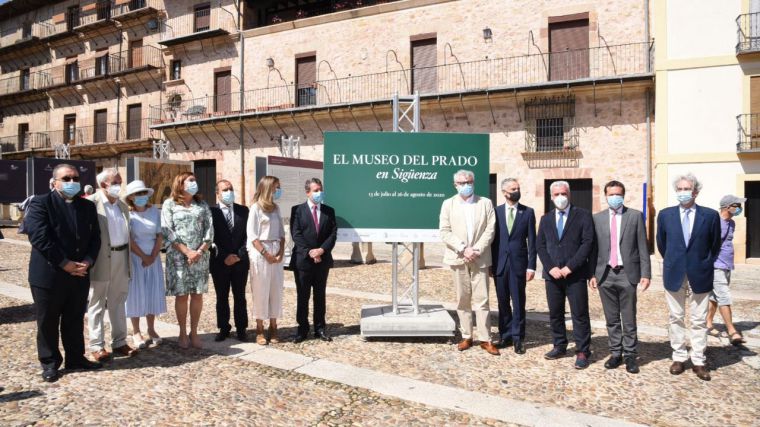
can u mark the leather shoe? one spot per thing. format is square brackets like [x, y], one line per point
[556, 353]
[322, 335]
[101, 355]
[221, 336]
[242, 336]
[630, 365]
[299, 338]
[677, 368]
[84, 365]
[702, 372]
[581, 361]
[519, 347]
[504, 343]
[50, 375]
[125, 351]
[613, 362]
[464, 344]
[490, 348]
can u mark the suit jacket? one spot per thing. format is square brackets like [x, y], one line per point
[573, 250]
[101, 271]
[633, 245]
[695, 260]
[56, 239]
[229, 242]
[306, 237]
[453, 230]
[514, 251]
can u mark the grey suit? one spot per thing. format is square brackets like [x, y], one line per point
[617, 287]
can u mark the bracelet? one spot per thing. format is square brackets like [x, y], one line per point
[263, 250]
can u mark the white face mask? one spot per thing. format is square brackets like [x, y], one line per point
[114, 190]
[561, 202]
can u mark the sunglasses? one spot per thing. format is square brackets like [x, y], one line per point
[69, 179]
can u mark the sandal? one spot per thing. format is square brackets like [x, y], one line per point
[714, 332]
[737, 341]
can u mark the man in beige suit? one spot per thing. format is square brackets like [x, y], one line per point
[467, 224]
[109, 277]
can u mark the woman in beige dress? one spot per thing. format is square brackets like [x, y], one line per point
[266, 245]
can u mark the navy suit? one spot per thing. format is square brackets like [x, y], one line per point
[512, 254]
[235, 276]
[572, 250]
[694, 261]
[308, 274]
[60, 232]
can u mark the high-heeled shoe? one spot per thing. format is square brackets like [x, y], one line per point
[138, 341]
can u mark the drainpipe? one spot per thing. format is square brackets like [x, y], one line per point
[242, 103]
[647, 94]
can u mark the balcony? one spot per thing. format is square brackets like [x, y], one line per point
[281, 11]
[30, 34]
[128, 9]
[611, 64]
[748, 130]
[24, 84]
[748, 33]
[93, 16]
[29, 141]
[201, 24]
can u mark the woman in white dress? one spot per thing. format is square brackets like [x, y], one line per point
[146, 295]
[266, 245]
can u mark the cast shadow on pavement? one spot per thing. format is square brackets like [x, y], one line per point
[17, 314]
[19, 395]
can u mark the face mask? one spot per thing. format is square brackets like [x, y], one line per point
[191, 187]
[738, 212]
[70, 189]
[277, 193]
[114, 190]
[514, 196]
[684, 197]
[615, 202]
[561, 202]
[141, 201]
[317, 197]
[228, 197]
[465, 190]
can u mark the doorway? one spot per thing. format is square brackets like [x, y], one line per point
[205, 175]
[752, 209]
[580, 193]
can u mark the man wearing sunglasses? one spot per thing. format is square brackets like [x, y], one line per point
[65, 237]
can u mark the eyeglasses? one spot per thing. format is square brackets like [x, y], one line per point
[68, 178]
[464, 182]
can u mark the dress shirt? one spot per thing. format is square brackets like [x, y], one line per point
[507, 207]
[618, 221]
[117, 226]
[311, 209]
[693, 211]
[231, 211]
[556, 215]
[469, 215]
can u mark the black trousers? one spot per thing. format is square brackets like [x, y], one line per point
[510, 287]
[61, 307]
[577, 295]
[233, 277]
[306, 280]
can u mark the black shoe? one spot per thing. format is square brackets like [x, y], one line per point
[630, 365]
[299, 338]
[503, 343]
[519, 347]
[613, 362]
[221, 336]
[322, 335]
[83, 365]
[242, 336]
[50, 375]
[556, 353]
[581, 361]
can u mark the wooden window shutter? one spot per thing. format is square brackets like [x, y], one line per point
[424, 61]
[306, 76]
[100, 133]
[134, 121]
[754, 95]
[568, 50]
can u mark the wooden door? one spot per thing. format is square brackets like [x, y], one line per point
[752, 209]
[134, 121]
[72, 18]
[222, 89]
[424, 71]
[100, 133]
[568, 50]
[23, 136]
[306, 77]
[581, 191]
[135, 54]
[205, 175]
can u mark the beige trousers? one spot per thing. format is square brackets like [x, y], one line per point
[111, 295]
[698, 304]
[472, 294]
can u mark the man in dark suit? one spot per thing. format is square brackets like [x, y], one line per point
[689, 240]
[229, 262]
[513, 254]
[65, 236]
[565, 240]
[619, 264]
[314, 231]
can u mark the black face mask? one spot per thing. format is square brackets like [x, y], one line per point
[514, 196]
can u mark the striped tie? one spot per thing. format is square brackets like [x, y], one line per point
[228, 218]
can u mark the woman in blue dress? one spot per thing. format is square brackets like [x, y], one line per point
[146, 296]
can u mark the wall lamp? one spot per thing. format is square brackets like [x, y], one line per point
[487, 33]
[270, 63]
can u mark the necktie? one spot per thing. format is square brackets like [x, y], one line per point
[314, 216]
[613, 241]
[686, 225]
[228, 218]
[511, 219]
[561, 224]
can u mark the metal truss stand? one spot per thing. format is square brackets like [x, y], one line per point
[290, 146]
[161, 149]
[62, 151]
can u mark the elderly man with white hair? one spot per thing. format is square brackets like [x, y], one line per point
[467, 223]
[689, 239]
[109, 278]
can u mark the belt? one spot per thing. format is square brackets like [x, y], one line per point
[615, 269]
[119, 248]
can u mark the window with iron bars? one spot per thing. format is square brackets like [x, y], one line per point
[550, 124]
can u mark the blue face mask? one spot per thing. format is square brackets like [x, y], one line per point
[317, 197]
[141, 201]
[738, 212]
[615, 201]
[228, 197]
[278, 193]
[465, 190]
[191, 187]
[684, 197]
[70, 189]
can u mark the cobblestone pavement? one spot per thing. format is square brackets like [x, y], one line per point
[652, 397]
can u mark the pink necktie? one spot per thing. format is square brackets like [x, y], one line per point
[613, 242]
[314, 215]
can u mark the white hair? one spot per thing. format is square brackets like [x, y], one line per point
[695, 184]
[466, 173]
[556, 184]
[107, 174]
[506, 181]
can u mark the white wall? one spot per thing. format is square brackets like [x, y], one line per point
[700, 28]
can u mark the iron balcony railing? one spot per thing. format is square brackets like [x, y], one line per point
[100, 12]
[23, 82]
[748, 130]
[276, 15]
[35, 30]
[518, 71]
[123, 8]
[123, 62]
[26, 141]
[556, 134]
[210, 19]
[748, 33]
[110, 133]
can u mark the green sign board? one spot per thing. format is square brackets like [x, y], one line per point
[390, 186]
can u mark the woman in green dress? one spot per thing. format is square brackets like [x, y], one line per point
[187, 229]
